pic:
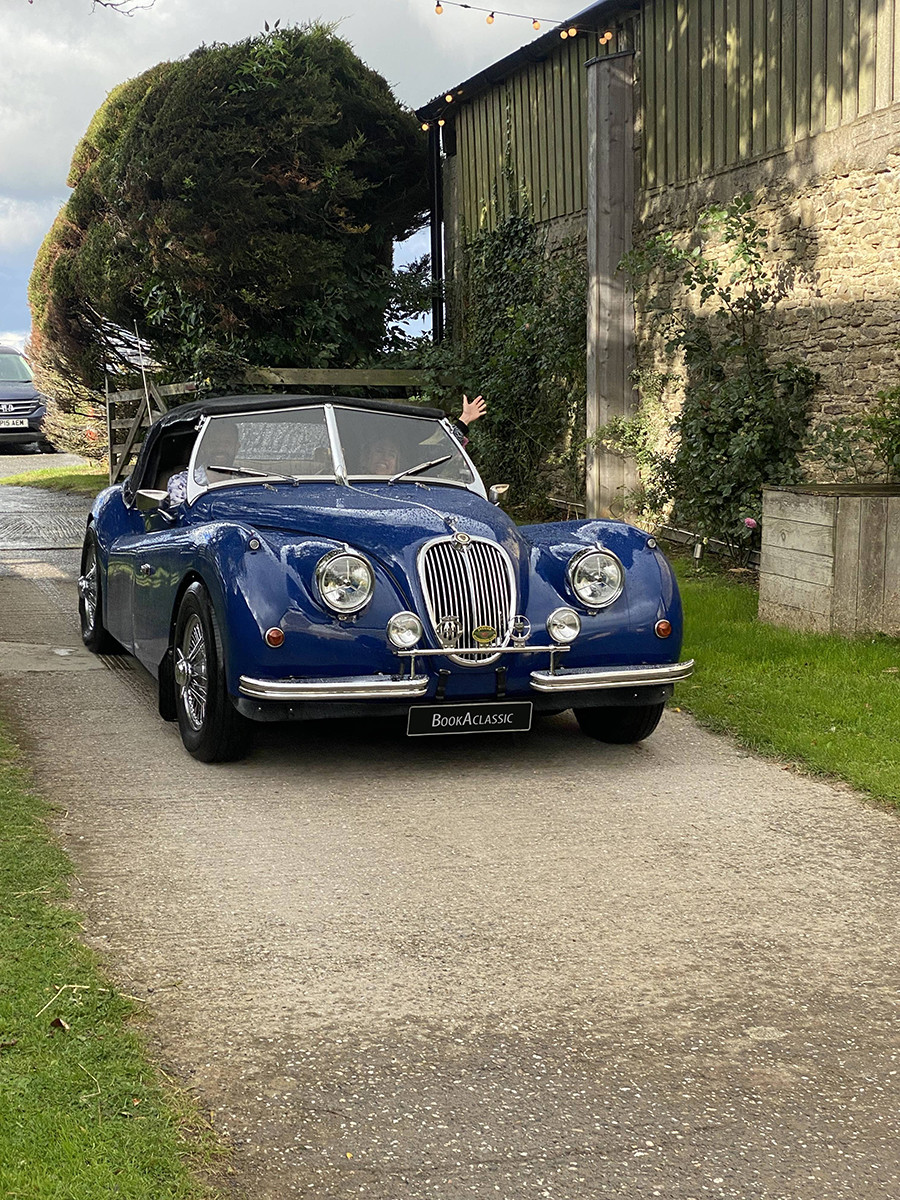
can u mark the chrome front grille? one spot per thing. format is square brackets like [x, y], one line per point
[17, 408]
[469, 582]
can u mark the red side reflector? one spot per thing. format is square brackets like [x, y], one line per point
[275, 637]
[663, 629]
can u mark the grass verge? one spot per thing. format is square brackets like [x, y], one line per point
[85, 480]
[82, 1113]
[829, 704]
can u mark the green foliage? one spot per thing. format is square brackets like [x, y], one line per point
[744, 417]
[518, 338]
[862, 449]
[239, 207]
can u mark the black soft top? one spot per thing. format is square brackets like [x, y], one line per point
[222, 405]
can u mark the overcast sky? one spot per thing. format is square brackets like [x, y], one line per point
[61, 58]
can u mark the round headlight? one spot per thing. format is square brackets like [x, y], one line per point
[345, 581]
[404, 630]
[596, 577]
[564, 625]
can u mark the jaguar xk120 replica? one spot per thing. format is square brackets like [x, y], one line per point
[279, 558]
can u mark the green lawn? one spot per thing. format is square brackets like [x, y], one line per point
[829, 704]
[85, 480]
[82, 1113]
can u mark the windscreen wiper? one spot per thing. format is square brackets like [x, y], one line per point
[435, 462]
[255, 474]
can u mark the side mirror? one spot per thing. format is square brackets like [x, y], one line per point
[497, 492]
[147, 498]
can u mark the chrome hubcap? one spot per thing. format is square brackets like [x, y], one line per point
[87, 588]
[191, 671]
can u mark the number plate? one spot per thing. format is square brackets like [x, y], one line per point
[13, 422]
[496, 716]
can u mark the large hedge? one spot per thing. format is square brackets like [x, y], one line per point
[239, 206]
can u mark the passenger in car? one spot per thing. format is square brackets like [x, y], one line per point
[220, 445]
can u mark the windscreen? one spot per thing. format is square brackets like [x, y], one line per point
[290, 442]
[382, 445]
[14, 369]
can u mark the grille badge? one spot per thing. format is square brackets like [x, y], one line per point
[461, 539]
[448, 630]
[484, 635]
[521, 629]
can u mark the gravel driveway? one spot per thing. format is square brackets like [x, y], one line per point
[501, 966]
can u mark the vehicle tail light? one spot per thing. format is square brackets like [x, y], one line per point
[275, 637]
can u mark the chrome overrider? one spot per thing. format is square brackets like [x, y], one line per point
[413, 686]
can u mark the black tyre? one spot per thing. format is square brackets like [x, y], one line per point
[90, 601]
[618, 724]
[211, 728]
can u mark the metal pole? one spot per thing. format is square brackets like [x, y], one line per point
[437, 233]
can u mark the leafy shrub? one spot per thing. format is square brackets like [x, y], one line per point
[519, 315]
[744, 416]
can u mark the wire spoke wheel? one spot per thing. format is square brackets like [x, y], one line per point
[90, 600]
[191, 671]
[87, 585]
[211, 727]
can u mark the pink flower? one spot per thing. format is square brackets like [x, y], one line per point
[749, 522]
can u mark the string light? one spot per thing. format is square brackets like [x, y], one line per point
[493, 13]
[449, 97]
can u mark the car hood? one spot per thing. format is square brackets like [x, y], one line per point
[375, 517]
[20, 391]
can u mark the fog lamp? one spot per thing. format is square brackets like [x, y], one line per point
[564, 625]
[404, 630]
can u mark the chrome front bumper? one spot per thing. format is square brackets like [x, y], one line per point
[583, 679]
[362, 687]
[385, 687]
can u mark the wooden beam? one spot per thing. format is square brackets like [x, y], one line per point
[610, 333]
[332, 377]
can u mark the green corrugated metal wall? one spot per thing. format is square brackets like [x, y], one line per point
[726, 81]
[722, 82]
[543, 108]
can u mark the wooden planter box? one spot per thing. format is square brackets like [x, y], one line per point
[830, 559]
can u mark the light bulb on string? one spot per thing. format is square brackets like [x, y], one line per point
[425, 126]
[438, 8]
[572, 31]
[441, 122]
[535, 24]
[563, 33]
[490, 19]
[449, 97]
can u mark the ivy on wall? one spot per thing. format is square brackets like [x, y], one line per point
[519, 316]
[745, 411]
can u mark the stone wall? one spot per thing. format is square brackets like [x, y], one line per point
[832, 208]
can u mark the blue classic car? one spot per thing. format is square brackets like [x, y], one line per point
[281, 558]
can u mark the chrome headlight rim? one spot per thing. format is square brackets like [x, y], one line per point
[558, 613]
[578, 559]
[328, 560]
[410, 617]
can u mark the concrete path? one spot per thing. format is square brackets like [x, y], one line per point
[509, 966]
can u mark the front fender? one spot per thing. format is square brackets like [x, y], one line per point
[650, 593]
